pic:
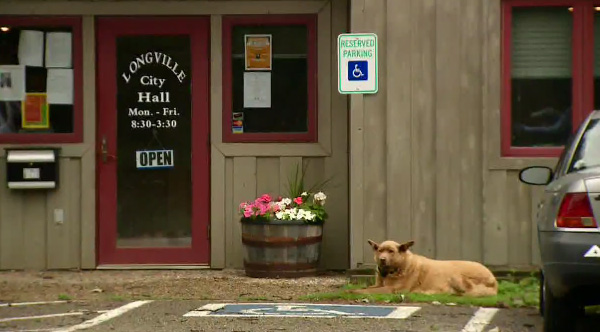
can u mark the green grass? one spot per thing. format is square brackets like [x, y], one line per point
[64, 297]
[117, 298]
[523, 293]
[594, 309]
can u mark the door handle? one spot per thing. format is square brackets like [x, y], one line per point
[104, 151]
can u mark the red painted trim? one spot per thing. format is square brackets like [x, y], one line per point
[108, 30]
[588, 60]
[577, 66]
[311, 23]
[505, 109]
[582, 90]
[540, 3]
[75, 23]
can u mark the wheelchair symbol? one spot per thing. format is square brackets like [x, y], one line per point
[358, 70]
[295, 310]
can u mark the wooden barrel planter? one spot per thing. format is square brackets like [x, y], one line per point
[281, 248]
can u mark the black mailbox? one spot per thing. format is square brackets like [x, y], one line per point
[32, 168]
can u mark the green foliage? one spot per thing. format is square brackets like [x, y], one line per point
[296, 185]
[523, 293]
[306, 204]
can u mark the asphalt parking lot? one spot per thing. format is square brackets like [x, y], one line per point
[192, 316]
[193, 301]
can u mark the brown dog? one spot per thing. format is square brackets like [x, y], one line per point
[400, 270]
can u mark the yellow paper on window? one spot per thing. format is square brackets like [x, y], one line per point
[258, 52]
[34, 113]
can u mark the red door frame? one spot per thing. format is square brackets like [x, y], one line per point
[108, 28]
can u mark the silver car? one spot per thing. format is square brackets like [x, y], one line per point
[568, 230]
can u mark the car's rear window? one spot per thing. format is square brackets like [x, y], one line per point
[587, 154]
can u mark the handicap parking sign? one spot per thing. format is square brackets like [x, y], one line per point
[357, 63]
[358, 70]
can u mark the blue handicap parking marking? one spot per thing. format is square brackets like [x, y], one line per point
[302, 310]
[358, 70]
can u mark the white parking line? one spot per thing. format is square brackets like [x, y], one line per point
[34, 330]
[205, 310]
[403, 312]
[481, 318]
[17, 304]
[105, 316]
[78, 313]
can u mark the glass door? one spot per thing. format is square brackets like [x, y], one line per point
[152, 131]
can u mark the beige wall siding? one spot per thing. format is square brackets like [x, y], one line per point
[252, 176]
[253, 169]
[425, 159]
[510, 236]
[29, 238]
[436, 175]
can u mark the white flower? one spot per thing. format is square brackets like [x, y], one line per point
[304, 194]
[279, 215]
[320, 198]
[301, 214]
[281, 205]
[292, 213]
[286, 201]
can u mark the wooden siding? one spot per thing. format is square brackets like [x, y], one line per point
[252, 176]
[425, 153]
[253, 169]
[425, 159]
[29, 238]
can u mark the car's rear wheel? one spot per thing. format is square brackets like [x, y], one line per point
[560, 313]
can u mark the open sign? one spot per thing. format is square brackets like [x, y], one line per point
[154, 159]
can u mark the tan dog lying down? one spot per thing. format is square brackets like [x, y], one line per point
[399, 270]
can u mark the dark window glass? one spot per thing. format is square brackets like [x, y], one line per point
[288, 109]
[36, 80]
[561, 166]
[597, 58]
[541, 77]
[154, 119]
[587, 154]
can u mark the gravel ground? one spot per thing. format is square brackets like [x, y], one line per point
[157, 284]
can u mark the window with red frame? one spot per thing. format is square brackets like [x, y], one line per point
[40, 82]
[269, 79]
[551, 73]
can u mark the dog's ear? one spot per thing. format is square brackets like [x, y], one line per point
[373, 244]
[405, 246]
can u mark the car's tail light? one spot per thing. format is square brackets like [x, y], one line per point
[576, 212]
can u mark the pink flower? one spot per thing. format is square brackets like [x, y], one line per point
[263, 209]
[265, 198]
[279, 198]
[243, 205]
[298, 200]
[275, 207]
[248, 212]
